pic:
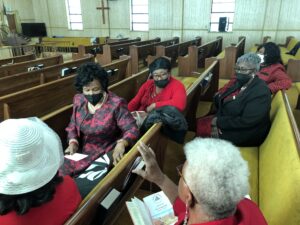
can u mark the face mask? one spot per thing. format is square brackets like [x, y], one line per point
[243, 78]
[95, 98]
[161, 83]
[261, 58]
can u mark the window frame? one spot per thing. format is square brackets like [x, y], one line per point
[230, 23]
[69, 14]
[132, 14]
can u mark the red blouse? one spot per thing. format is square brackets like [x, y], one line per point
[55, 212]
[247, 213]
[173, 94]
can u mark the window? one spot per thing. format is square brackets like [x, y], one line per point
[221, 17]
[74, 14]
[139, 15]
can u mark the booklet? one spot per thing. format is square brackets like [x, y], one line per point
[155, 209]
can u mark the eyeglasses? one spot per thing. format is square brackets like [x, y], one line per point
[160, 75]
[179, 171]
[243, 70]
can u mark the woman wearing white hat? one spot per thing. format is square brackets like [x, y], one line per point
[31, 191]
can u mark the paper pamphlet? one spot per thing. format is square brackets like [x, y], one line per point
[76, 156]
[155, 209]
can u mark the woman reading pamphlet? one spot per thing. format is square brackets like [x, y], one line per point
[213, 183]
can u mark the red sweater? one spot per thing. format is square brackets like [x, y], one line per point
[55, 212]
[276, 77]
[247, 213]
[173, 94]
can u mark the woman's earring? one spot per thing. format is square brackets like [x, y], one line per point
[186, 216]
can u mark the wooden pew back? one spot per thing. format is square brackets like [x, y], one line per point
[46, 98]
[22, 81]
[139, 53]
[196, 57]
[115, 51]
[173, 51]
[232, 53]
[23, 66]
[17, 59]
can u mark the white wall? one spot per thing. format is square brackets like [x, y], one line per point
[168, 18]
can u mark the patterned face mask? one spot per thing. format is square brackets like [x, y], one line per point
[262, 58]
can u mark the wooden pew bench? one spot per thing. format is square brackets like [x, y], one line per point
[173, 51]
[22, 81]
[23, 66]
[228, 58]
[46, 98]
[17, 59]
[275, 167]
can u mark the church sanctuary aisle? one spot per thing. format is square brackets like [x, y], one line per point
[43, 42]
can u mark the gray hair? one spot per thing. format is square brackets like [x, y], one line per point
[251, 59]
[216, 174]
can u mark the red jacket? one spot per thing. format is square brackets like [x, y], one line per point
[247, 213]
[276, 77]
[55, 212]
[173, 94]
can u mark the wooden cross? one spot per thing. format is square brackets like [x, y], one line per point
[102, 8]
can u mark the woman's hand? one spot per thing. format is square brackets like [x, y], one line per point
[152, 171]
[151, 107]
[72, 148]
[118, 152]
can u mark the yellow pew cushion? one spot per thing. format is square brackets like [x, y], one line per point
[221, 55]
[250, 154]
[292, 44]
[279, 173]
[186, 81]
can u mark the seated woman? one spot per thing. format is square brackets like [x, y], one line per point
[212, 186]
[242, 107]
[272, 70]
[100, 121]
[31, 191]
[162, 90]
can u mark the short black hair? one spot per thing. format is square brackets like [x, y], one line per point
[88, 72]
[272, 53]
[160, 63]
[23, 202]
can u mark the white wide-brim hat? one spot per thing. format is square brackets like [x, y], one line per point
[30, 155]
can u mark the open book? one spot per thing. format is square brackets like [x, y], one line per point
[155, 209]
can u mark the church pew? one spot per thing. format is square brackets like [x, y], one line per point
[275, 166]
[17, 59]
[115, 51]
[81, 50]
[23, 66]
[22, 81]
[228, 58]
[173, 51]
[139, 53]
[46, 98]
[196, 56]
[87, 210]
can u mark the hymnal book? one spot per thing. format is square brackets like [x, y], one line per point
[155, 209]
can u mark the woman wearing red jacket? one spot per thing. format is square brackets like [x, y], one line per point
[272, 70]
[162, 90]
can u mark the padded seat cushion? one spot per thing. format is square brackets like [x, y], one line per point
[250, 154]
[186, 81]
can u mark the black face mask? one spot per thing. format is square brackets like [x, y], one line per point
[94, 99]
[161, 83]
[243, 78]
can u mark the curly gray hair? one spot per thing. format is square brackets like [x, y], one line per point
[251, 59]
[216, 174]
